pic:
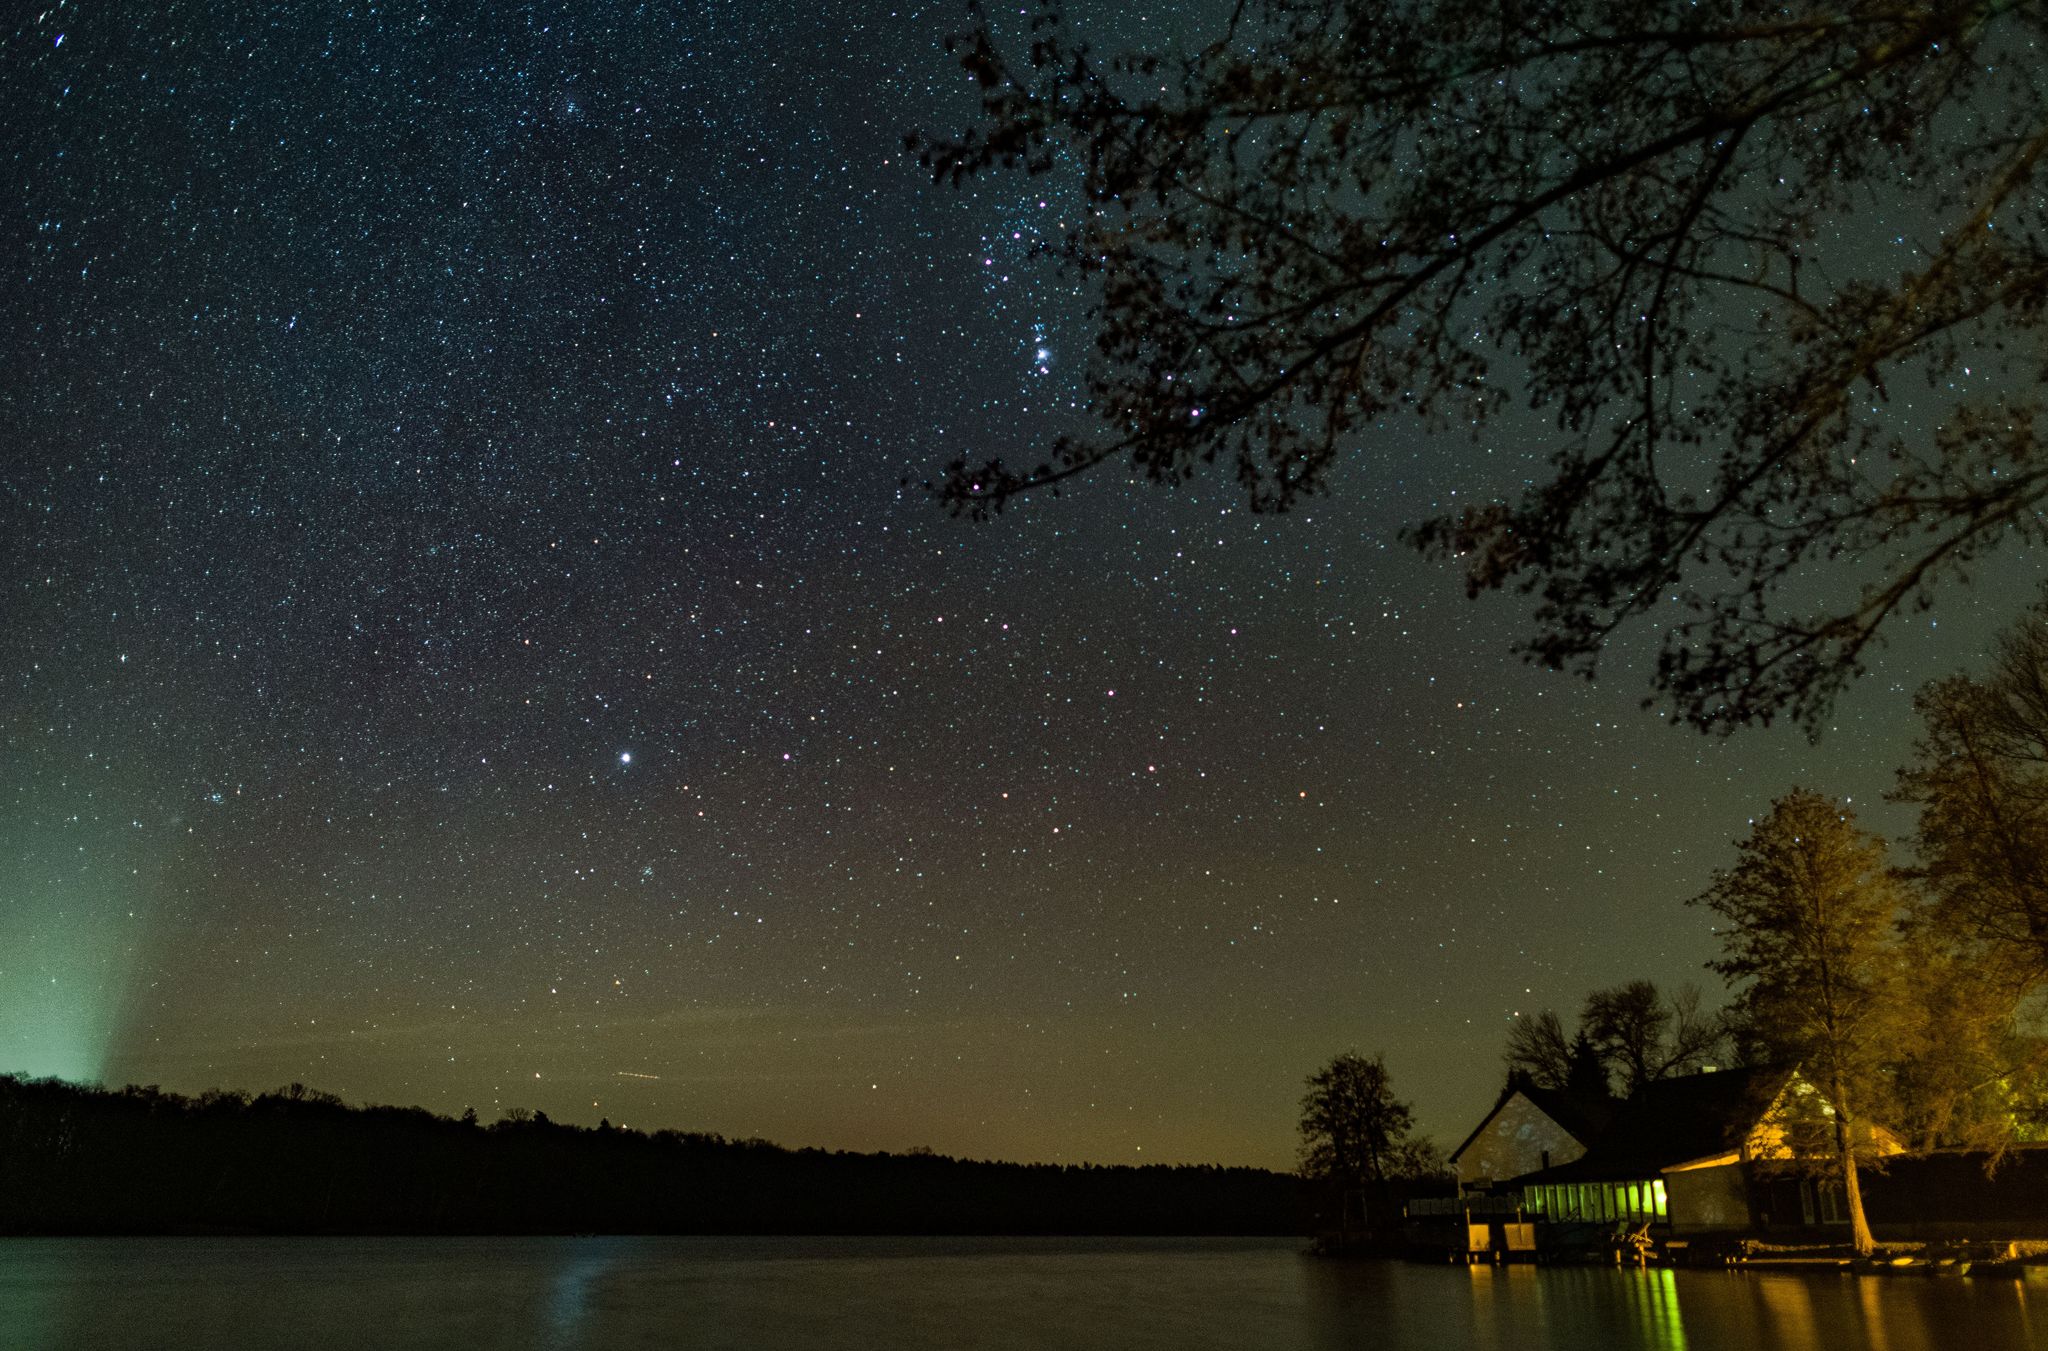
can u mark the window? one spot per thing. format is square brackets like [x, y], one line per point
[1834, 1203]
[1658, 1198]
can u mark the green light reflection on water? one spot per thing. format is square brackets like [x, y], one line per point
[1662, 1327]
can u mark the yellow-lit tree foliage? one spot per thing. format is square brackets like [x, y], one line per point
[1811, 907]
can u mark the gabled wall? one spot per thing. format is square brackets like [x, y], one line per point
[1797, 1101]
[1513, 1142]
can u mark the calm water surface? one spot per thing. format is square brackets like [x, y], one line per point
[912, 1294]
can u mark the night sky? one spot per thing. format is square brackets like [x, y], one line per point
[467, 640]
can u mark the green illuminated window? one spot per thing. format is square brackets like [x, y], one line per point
[1657, 1194]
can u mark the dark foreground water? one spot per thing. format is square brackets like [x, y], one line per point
[912, 1294]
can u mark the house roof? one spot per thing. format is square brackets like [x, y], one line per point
[1585, 1118]
[1580, 1117]
[1675, 1121]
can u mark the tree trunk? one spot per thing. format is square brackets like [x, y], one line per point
[1852, 1190]
[1859, 1227]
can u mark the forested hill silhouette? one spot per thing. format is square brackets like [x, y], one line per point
[77, 1160]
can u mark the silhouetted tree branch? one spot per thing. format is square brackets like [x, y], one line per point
[1539, 1050]
[1626, 218]
[1646, 1037]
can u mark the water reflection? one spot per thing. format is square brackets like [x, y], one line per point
[1382, 1306]
[1586, 1306]
[1787, 1302]
[939, 1295]
[1660, 1323]
[569, 1299]
[1870, 1303]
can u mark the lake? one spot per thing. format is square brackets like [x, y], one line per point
[765, 1294]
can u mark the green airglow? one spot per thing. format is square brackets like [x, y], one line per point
[70, 934]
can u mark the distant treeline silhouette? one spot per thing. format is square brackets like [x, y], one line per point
[87, 1160]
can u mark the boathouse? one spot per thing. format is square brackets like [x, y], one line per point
[1694, 1156]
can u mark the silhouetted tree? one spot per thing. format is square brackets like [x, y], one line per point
[1644, 1037]
[1586, 1075]
[1539, 1053]
[1810, 905]
[1355, 1134]
[84, 1160]
[1644, 221]
[1539, 1050]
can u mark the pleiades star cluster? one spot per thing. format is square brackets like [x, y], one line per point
[474, 635]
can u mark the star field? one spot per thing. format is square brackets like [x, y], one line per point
[468, 640]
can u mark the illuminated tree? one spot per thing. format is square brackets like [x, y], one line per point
[1967, 1073]
[1713, 244]
[1980, 778]
[1972, 1073]
[1810, 904]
